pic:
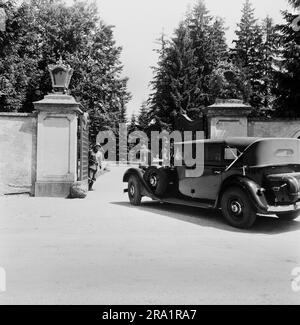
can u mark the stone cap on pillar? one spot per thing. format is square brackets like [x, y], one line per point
[228, 107]
[58, 103]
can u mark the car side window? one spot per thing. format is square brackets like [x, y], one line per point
[230, 154]
[284, 152]
[213, 153]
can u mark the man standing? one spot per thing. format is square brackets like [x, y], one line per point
[100, 157]
[93, 164]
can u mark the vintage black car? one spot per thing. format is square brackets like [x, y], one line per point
[243, 177]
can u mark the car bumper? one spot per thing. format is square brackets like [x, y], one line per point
[283, 208]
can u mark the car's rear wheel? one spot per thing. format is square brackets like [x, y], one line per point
[157, 180]
[237, 208]
[289, 216]
[134, 191]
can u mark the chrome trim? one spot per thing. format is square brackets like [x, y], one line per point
[284, 208]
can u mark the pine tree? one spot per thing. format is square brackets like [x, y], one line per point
[159, 99]
[287, 103]
[201, 33]
[253, 54]
[143, 118]
[254, 70]
[229, 82]
[181, 80]
[270, 51]
[185, 83]
[245, 37]
[177, 85]
[220, 48]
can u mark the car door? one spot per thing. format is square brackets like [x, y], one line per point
[206, 186]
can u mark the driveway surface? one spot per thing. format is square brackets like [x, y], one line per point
[101, 250]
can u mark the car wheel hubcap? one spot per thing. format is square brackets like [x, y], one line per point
[236, 207]
[153, 181]
[132, 190]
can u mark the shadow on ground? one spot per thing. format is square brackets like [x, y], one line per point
[214, 218]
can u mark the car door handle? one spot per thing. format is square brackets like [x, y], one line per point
[217, 172]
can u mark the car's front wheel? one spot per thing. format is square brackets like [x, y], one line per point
[289, 216]
[237, 208]
[134, 191]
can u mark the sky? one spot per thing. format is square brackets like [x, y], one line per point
[139, 23]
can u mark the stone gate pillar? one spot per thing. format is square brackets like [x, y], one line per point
[227, 118]
[57, 138]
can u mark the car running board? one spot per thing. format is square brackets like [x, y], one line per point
[190, 203]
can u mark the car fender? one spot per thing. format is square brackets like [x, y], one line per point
[138, 173]
[252, 189]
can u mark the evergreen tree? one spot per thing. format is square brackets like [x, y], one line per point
[143, 118]
[287, 103]
[220, 48]
[255, 52]
[201, 33]
[270, 52]
[159, 99]
[228, 82]
[122, 114]
[246, 37]
[181, 80]
[184, 74]
[246, 54]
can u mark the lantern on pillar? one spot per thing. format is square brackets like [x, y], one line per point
[61, 75]
[57, 136]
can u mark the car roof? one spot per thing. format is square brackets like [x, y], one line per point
[233, 141]
[239, 142]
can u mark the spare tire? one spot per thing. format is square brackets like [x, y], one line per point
[157, 179]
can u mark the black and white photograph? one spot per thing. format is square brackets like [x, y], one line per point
[149, 155]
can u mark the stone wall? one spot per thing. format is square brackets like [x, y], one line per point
[18, 144]
[18, 153]
[285, 128]
[227, 127]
